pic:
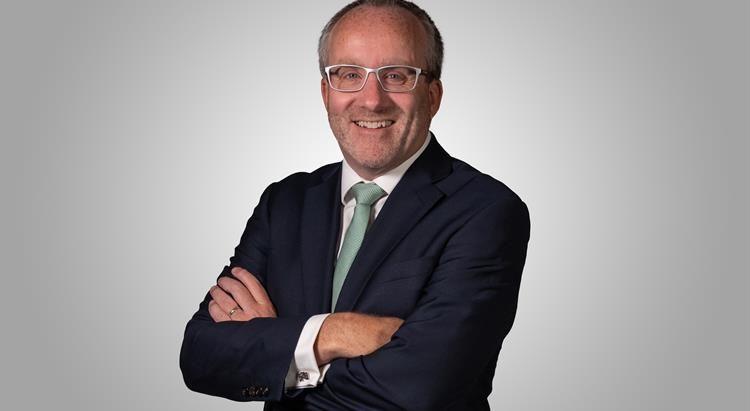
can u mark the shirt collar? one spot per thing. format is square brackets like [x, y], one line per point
[387, 181]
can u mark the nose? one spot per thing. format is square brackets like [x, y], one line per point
[372, 96]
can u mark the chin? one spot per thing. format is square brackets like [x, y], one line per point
[375, 165]
[375, 157]
[372, 163]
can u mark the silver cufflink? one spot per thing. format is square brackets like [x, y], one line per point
[303, 376]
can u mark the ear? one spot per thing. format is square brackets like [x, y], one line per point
[436, 96]
[324, 90]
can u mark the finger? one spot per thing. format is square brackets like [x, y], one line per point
[264, 304]
[256, 288]
[216, 312]
[238, 292]
[224, 300]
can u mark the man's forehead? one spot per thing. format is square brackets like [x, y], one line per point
[371, 23]
[375, 37]
[379, 14]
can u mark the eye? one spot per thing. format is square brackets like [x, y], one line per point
[347, 73]
[397, 75]
[350, 75]
[394, 75]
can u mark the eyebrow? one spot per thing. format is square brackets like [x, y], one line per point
[397, 62]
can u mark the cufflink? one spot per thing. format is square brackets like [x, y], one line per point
[303, 376]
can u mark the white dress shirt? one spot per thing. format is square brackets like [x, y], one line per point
[304, 371]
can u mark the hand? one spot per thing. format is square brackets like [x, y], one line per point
[245, 299]
[349, 335]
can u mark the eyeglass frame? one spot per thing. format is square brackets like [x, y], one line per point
[369, 70]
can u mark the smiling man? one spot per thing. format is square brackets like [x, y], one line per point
[386, 281]
[377, 129]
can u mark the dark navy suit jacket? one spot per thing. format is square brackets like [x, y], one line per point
[445, 253]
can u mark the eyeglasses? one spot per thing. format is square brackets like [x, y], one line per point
[395, 79]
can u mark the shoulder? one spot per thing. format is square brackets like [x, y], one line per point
[295, 185]
[469, 185]
[462, 186]
[485, 203]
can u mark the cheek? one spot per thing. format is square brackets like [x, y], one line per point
[338, 104]
[412, 106]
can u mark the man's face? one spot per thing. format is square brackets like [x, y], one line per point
[376, 37]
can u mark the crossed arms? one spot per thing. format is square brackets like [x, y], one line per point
[443, 350]
[343, 335]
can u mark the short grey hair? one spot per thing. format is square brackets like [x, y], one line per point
[434, 50]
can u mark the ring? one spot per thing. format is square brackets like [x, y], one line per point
[232, 311]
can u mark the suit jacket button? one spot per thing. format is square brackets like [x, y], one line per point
[264, 391]
[250, 392]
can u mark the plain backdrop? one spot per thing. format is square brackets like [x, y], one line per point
[137, 137]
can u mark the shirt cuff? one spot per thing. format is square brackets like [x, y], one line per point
[304, 371]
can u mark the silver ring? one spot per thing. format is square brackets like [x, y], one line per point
[232, 311]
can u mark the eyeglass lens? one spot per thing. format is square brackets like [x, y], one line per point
[352, 78]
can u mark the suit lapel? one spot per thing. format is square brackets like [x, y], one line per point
[412, 198]
[319, 230]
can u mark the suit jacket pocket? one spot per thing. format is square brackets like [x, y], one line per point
[403, 273]
[395, 288]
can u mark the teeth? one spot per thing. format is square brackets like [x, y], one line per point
[374, 124]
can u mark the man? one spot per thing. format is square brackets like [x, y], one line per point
[417, 255]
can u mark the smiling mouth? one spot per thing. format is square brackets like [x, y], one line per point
[374, 124]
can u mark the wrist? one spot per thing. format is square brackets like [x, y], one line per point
[326, 346]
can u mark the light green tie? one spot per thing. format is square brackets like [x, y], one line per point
[366, 195]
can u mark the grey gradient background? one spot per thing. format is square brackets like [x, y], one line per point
[137, 137]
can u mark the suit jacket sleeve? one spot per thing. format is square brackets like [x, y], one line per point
[456, 330]
[238, 360]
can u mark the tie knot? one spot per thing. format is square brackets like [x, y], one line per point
[366, 193]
